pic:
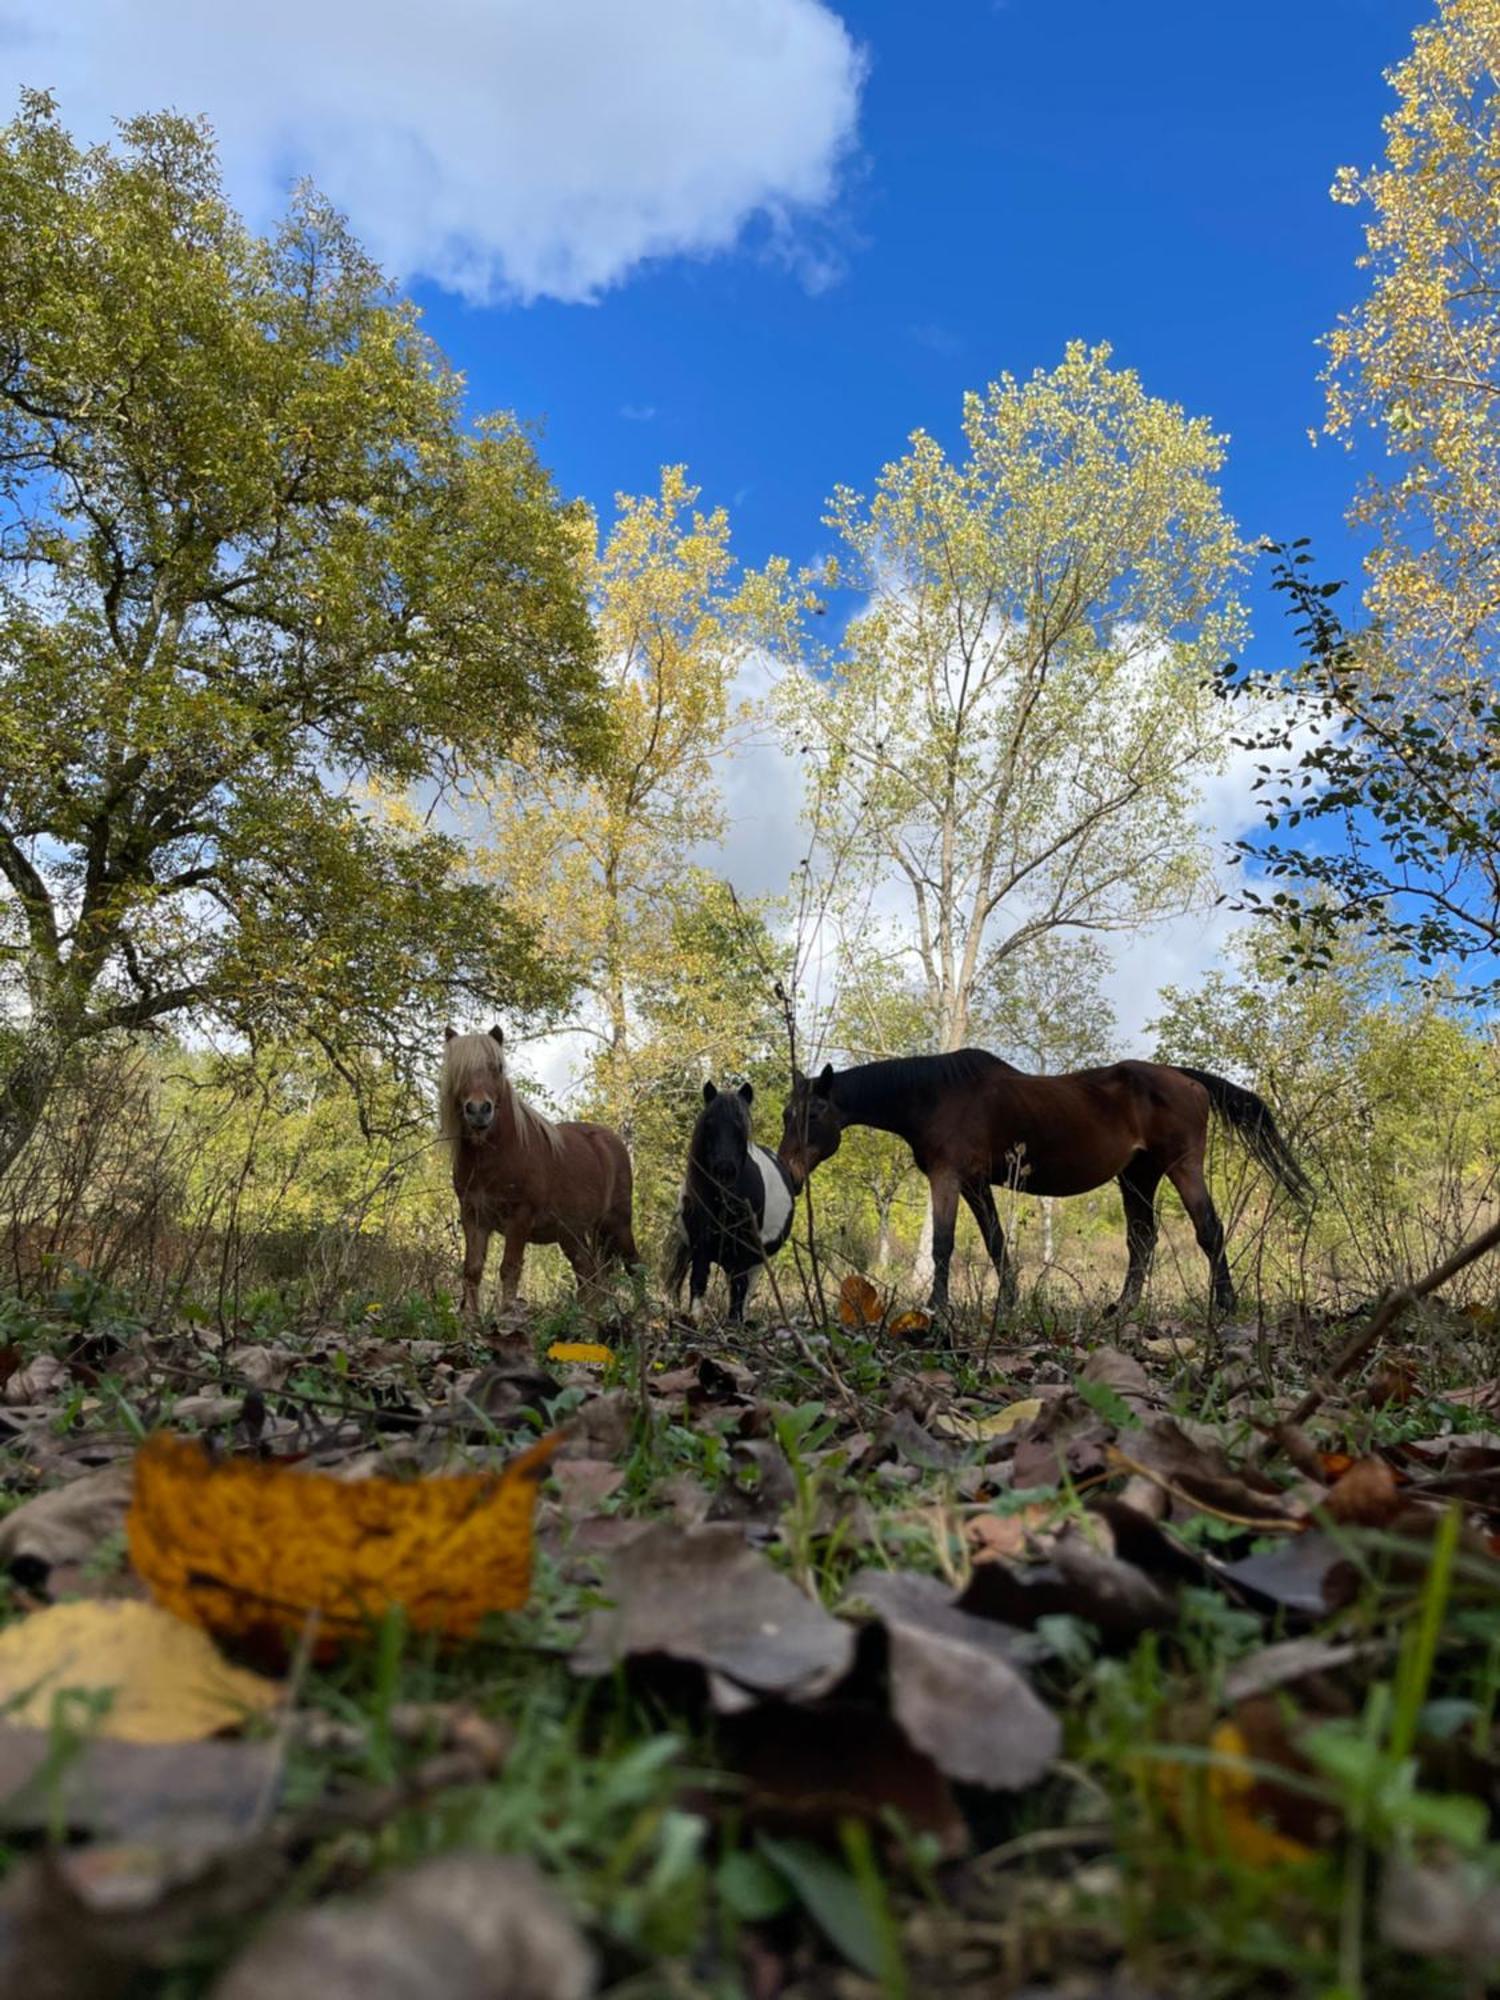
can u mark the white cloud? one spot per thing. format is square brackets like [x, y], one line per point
[505, 148]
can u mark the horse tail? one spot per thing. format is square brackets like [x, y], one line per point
[1249, 1118]
[678, 1256]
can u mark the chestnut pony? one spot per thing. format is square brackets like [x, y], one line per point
[972, 1120]
[523, 1174]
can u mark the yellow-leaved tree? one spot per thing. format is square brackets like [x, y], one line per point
[602, 863]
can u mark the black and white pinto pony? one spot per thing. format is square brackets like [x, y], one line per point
[735, 1209]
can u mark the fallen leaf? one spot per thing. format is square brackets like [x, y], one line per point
[585, 1483]
[1122, 1373]
[116, 1789]
[466, 1926]
[859, 1303]
[1236, 1797]
[1309, 1574]
[1000, 1424]
[955, 1687]
[998, 1537]
[67, 1524]
[1171, 1347]
[1366, 1496]
[165, 1681]
[587, 1353]
[910, 1325]
[700, 1594]
[1289, 1661]
[1443, 1908]
[1120, 1599]
[806, 1769]
[250, 1548]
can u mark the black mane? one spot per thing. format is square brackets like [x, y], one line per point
[879, 1086]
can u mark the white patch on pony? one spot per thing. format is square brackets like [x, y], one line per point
[776, 1207]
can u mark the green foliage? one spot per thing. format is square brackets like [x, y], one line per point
[249, 560]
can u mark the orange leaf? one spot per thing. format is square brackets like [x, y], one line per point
[585, 1351]
[859, 1302]
[248, 1549]
[908, 1325]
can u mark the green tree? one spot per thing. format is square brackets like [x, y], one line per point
[1012, 727]
[250, 563]
[1398, 750]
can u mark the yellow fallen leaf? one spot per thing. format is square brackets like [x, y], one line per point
[908, 1325]
[1229, 1786]
[859, 1302]
[165, 1681]
[587, 1352]
[250, 1548]
[1172, 1347]
[997, 1425]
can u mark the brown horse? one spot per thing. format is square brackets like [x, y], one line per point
[518, 1172]
[972, 1120]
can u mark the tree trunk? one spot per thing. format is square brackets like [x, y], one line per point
[24, 1090]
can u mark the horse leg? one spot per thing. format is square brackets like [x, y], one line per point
[698, 1270]
[517, 1234]
[1138, 1185]
[981, 1199]
[1187, 1178]
[476, 1249]
[944, 1187]
[739, 1290]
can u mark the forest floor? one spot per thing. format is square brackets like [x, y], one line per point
[852, 1663]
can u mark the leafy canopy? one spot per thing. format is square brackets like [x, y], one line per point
[251, 564]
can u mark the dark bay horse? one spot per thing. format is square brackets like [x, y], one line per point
[736, 1205]
[972, 1120]
[516, 1171]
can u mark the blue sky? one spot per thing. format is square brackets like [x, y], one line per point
[769, 238]
[1024, 173]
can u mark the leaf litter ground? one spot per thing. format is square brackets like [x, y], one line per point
[1041, 1664]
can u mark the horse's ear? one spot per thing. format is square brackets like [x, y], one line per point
[710, 1090]
[798, 1079]
[497, 1034]
[747, 1091]
[450, 1033]
[825, 1081]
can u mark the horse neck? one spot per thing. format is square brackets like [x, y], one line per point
[873, 1094]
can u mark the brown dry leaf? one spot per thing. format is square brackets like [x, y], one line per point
[1001, 1423]
[66, 1524]
[999, 1537]
[585, 1483]
[1448, 1907]
[201, 1791]
[1171, 1347]
[1123, 1374]
[1309, 1574]
[250, 1549]
[910, 1325]
[166, 1682]
[806, 1769]
[1116, 1596]
[700, 1594]
[466, 1926]
[859, 1302]
[955, 1686]
[1366, 1496]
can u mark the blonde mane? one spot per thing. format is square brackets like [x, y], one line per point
[479, 1059]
